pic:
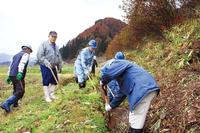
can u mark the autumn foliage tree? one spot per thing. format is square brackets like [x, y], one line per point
[148, 18]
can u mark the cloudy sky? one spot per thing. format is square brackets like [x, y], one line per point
[29, 21]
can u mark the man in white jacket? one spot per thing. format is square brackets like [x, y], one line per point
[49, 57]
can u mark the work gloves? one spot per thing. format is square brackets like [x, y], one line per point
[90, 69]
[86, 72]
[8, 80]
[19, 76]
[107, 107]
[47, 63]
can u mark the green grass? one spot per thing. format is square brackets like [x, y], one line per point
[75, 111]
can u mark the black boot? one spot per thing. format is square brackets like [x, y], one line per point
[132, 130]
[8, 102]
[82, 85]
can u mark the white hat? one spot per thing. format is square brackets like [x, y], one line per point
[94, 57]
[28, 46]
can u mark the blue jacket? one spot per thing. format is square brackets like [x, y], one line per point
[114, 87]
[134, 82]
[83, 62]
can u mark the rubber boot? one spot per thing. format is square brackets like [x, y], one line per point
[6, 105]
[52, 91]
[132, 130]
[46, 94]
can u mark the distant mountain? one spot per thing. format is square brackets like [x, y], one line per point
[5, 60]
[102, 31]
[5, 57]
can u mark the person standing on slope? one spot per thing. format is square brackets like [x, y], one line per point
[17, 73]
[83, 63]
[49, 57]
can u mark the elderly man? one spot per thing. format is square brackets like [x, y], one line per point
[136, 84]
[49, 58]
[17, 73]
[83, 63]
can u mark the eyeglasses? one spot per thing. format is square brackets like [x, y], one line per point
[54, 36]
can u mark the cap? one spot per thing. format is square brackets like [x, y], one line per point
[27, 46]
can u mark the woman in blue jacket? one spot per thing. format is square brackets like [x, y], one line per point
[136, 84]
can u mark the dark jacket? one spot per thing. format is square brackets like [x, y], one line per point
[15, 63]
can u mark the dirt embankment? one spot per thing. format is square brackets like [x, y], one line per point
[175, 110]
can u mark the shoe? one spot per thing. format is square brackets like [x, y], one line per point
[82, 85]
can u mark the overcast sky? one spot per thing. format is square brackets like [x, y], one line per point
[29, 21]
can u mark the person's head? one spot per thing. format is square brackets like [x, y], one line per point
[27, 48]
[92, 45]
[119, 55]
[52, 36]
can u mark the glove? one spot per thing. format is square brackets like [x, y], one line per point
[86, 72]
[8, 80]
[47, 63]
[90, 69]
[19, 76]
[107, 107]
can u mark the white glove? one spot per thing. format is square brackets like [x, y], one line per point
[47, 63]
[100, 82]
[90, 69]
[107, 107]
[86, 72]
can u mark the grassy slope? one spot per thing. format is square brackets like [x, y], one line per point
[79, 111]
[178, 108]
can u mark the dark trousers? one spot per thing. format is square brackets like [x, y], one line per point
[18, 87]
[47, 77]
